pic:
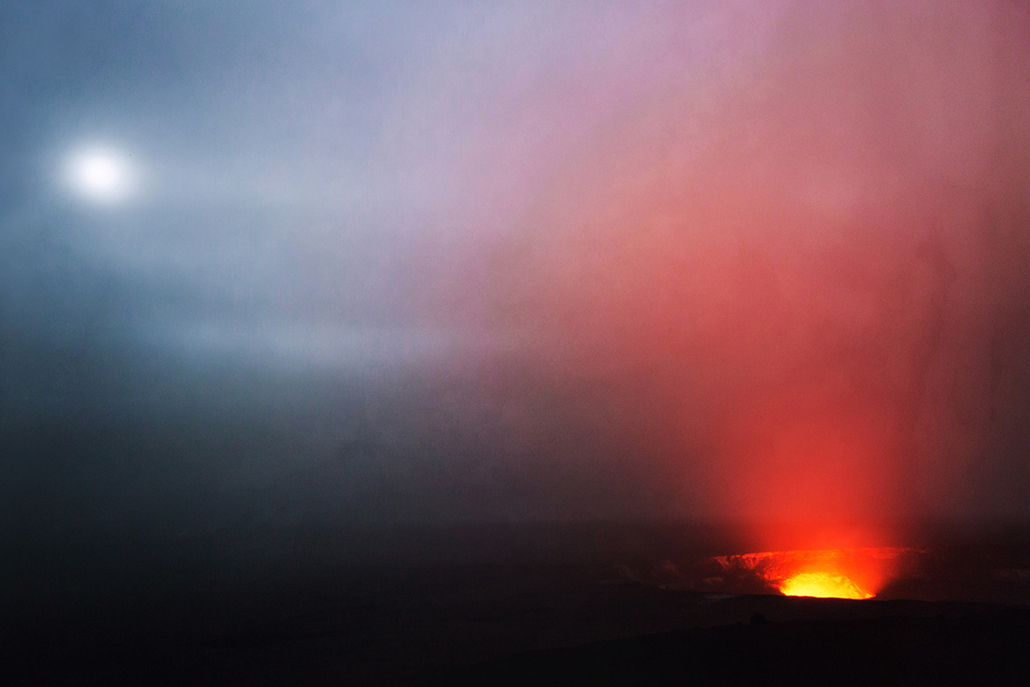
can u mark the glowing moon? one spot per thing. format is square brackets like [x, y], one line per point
[100, 175]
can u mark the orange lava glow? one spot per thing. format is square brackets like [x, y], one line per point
[855, 573]
[822, 585]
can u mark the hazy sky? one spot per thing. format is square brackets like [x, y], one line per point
[526, 260]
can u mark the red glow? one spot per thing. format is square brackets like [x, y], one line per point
[801, 256]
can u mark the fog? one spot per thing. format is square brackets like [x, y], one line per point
[449, 262]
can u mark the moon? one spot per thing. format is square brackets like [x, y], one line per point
[101, 175]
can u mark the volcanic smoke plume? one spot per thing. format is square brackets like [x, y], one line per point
[736, 260]
[816, 245]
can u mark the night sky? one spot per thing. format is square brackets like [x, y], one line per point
[363, 263]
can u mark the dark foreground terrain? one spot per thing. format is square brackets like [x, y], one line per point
[975, 646]
[503, 605]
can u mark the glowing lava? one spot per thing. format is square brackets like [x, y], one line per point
[855, 573]
[822, 585]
